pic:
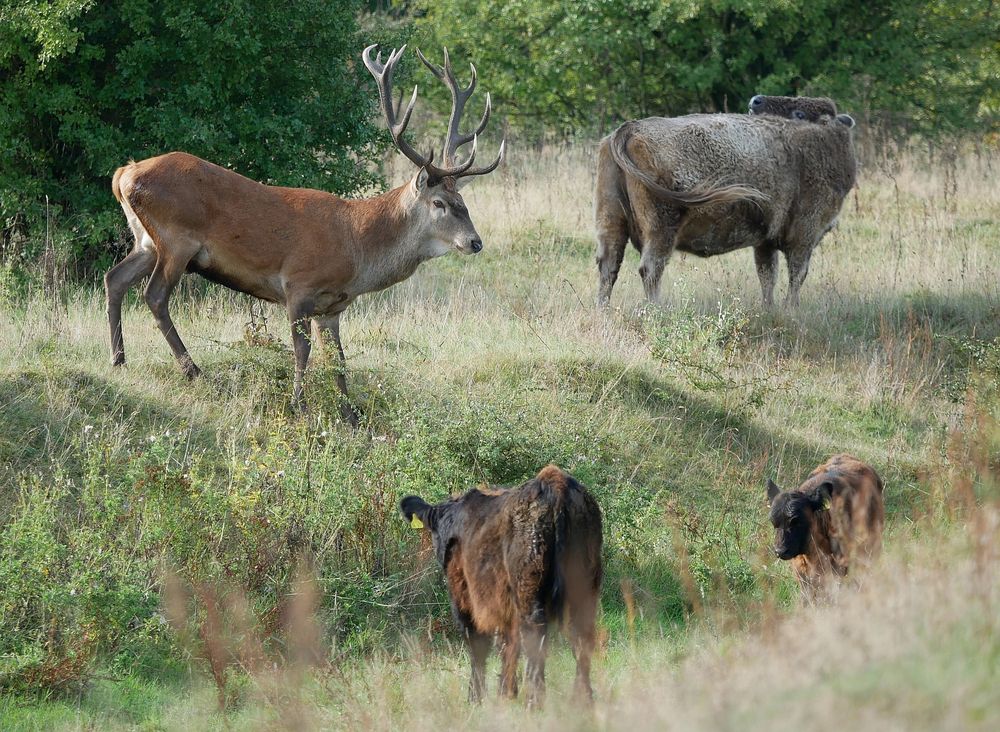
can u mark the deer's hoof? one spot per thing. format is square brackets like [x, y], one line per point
[191, 372]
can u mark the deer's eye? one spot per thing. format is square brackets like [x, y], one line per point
[438, 204]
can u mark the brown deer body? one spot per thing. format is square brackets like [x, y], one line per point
[311, 251]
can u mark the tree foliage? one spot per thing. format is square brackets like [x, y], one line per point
[271, 90]
[927, 65]
[276, 93]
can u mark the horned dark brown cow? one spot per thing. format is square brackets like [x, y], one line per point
[516, 560]
[831, 522]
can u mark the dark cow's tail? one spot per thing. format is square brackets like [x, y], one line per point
[553, 483]
[698, 196]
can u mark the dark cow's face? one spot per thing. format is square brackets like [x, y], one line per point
[807, 109]
[441, 520]
[792, 515]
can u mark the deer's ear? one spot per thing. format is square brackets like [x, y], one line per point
[420, 180]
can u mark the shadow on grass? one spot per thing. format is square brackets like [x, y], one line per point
[846, 326]
[44, 416]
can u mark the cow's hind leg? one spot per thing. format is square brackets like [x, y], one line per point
[765, 257]
[611, 222]
[655, 255]
[533, 640]
[510, 654]
[583, 636]
[657, 230]
[117, 281]
[479, 648]
[611, 244]
[798, 267]
[166, 274]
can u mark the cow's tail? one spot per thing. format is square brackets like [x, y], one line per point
[554, 483]
[697, 196]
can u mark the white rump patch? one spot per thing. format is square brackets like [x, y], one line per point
[143, 240]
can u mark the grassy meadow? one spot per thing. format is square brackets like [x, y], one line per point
[194, 556]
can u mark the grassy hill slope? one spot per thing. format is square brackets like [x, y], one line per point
[117, 484]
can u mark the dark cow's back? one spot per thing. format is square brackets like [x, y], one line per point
[537, 539]
[857, 509]
[516, 560]
[830, 524]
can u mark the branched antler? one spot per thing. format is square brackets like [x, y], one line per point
[455, 139]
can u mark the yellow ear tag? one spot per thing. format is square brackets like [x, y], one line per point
[826, 505]
[416, 523]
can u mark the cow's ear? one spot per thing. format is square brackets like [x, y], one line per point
[416, 511]
[821, 496]
[772, 491]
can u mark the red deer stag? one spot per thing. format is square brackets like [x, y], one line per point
[308, 250]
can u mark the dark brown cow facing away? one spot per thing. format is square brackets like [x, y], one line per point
[517, 559]
[832, 521]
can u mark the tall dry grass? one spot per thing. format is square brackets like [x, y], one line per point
[915, 647]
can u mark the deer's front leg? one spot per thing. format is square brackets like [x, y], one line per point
[329, 330]
[300, 310]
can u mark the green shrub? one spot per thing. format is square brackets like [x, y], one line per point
[273, 91]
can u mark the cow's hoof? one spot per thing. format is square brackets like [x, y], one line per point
[350, 415]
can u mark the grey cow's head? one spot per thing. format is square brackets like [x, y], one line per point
[793, 515]
[807, 109]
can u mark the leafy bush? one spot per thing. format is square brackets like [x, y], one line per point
[708, 352]
[917, 65]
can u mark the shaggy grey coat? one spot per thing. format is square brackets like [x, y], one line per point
[707, 184]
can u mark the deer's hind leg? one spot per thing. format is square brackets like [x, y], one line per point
[170, 265]
[328, 329]
[136, 265]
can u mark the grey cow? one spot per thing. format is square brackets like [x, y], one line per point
[708, 184]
